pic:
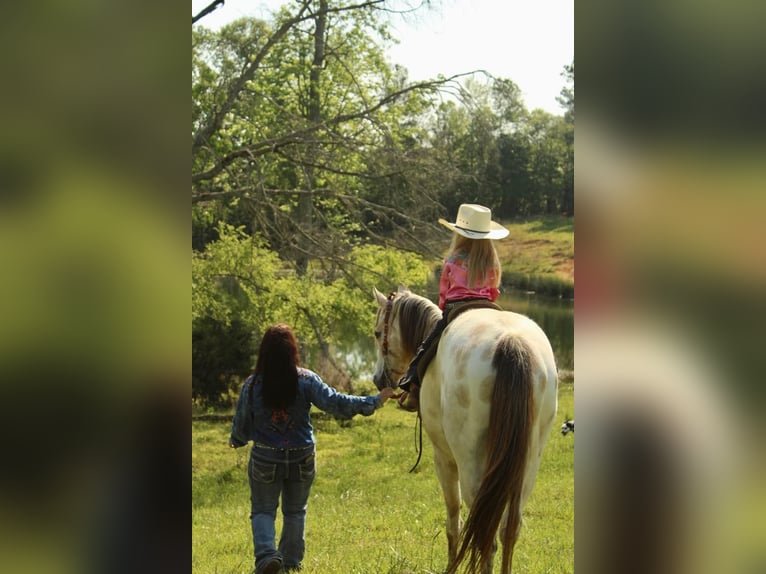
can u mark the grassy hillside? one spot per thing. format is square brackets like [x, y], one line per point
[538, 255]
[367, 514]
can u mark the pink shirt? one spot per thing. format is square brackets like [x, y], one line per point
[454, 283]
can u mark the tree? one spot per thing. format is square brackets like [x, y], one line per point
[239, 287]
[566, 96]
[545, 133]
[307, 130]
[566, 99]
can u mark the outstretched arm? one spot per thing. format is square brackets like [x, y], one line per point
[342, 405]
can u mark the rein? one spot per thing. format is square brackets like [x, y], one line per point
[419, 446]
[384, 352]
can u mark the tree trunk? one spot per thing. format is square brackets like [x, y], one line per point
[306, 201]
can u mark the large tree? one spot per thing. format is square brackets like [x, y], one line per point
[300, 124]
[301, 138]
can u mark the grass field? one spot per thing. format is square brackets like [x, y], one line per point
[539, 246]
[538, 255]
[367, 514]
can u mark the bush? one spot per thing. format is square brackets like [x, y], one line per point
[240, 287]
[221, 354]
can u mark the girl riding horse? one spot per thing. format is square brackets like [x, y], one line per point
[470, 272]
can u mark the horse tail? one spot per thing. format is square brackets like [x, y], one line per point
[510, 424]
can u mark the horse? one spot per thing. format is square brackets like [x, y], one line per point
[488, 401]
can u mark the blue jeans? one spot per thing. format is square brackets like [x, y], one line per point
[271, 472]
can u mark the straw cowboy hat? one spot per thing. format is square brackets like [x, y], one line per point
[475, 222]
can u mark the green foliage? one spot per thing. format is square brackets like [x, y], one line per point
[376, 266]
[239, 288]
[316, 160]
[500, 154]
[235, 276]
[566, 96]
[221, 355]
[233, 284]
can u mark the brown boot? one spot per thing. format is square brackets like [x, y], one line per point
[410, 400]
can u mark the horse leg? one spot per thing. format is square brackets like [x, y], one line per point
[446, 471]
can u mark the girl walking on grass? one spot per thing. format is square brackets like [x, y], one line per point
[273, 412]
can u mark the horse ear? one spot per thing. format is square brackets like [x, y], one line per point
[381, 299]
[402, 289]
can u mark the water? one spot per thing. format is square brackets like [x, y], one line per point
[555, 316]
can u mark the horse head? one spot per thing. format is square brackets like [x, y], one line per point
[390, 365]
[402, 322]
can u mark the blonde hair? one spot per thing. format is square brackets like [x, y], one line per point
[481, 259]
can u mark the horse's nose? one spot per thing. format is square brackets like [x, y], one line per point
[379, 380]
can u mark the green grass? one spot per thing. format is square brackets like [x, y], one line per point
[367, 514]
[538, 255]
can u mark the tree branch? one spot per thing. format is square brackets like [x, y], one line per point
[240, 192]
[262, 148]
[207, 10]
[216, 120]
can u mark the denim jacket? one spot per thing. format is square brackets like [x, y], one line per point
[291, 427]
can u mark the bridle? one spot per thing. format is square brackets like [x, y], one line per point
[387, 370]
[387, 321]
[384, 344]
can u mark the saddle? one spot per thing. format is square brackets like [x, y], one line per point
[453, 313]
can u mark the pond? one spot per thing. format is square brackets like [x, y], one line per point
[554, 315]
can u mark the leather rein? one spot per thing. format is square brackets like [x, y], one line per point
[386, 373]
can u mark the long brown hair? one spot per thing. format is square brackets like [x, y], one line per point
[278, 366]
[481, 259]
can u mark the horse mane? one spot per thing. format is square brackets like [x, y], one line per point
[417, 316]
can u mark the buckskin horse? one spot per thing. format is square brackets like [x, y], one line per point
[488, 401]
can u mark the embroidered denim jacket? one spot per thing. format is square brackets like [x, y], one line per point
[291, 427]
